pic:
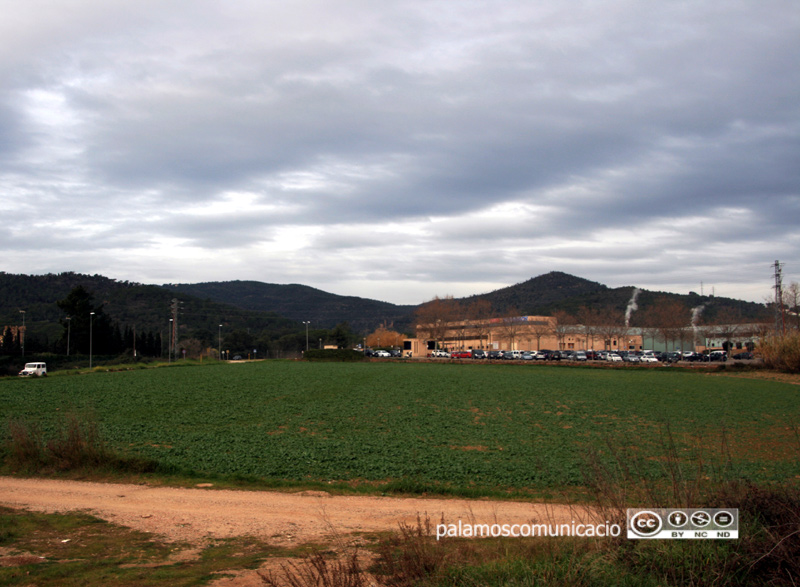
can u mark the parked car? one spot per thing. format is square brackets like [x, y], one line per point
[718, 356]
[673, 357]
[495, 355]
[478, 354]
[579, 356]
[440, 354]
[745, 356]
[512, 355]
[381, 353]
[461, 355]
[554, 356]
[631, 358]
[613, 357]
[34, 370]
[648, 358]
[527, 356]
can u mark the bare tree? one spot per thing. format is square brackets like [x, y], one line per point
[670, 318]
[590, 319]
[461, 323]
[383, 336]
[611, 328]
[728, 326]
[791, 303]
[511, 325]
[433, 319]
[540, 329]
[562, 326]
[480, 312]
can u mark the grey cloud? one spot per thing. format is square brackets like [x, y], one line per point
[588, 119]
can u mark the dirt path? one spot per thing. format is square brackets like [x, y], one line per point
[285, 519]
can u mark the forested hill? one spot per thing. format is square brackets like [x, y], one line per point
[275, 310]
[529, 297]
[147, 307]
[302, 303]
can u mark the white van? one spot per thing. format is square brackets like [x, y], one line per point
[38, 369]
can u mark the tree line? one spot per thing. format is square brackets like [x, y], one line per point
[85, 323]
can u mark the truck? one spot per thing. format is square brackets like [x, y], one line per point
[31, 369]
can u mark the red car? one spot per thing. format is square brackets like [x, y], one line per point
[461, 355]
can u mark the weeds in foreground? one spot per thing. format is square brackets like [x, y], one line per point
[766, 553]
[76, 444]
[320, 570]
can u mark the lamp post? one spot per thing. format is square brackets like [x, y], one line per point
[219, 342]
[306, 323]
[90, 339]
[169, 350]
[22, 337]
[69, 327]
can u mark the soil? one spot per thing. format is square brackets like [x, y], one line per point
[200, 514]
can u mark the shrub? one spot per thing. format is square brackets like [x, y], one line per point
[76, 445]
[782, 352]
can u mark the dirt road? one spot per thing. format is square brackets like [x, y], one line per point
[193, 515]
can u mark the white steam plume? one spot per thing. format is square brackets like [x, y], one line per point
[632, 307]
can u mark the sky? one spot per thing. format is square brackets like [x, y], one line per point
[403, 149]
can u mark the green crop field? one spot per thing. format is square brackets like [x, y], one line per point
[483, 426]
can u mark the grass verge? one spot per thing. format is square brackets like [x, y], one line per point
[62, 550]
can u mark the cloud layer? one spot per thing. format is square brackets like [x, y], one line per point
[402, 149]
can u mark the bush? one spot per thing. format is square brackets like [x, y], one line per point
[76, 445]
[782, 352]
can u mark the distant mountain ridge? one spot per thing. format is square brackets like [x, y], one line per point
[281, 308]
[301, 303]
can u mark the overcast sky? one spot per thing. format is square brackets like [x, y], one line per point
[403, 149]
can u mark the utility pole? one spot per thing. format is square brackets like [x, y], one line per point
[174, 306]
[780, 326]
[22, 335]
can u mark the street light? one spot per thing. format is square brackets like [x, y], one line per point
[306, 323]
[22, 338]
[219, 342]
[90, 339]
[69, 327]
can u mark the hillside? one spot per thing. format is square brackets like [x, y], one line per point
[130, 304]
[274, 310]
[548, 290]
[301, 303]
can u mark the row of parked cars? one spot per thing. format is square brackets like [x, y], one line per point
[382, 353]
[591, 355]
